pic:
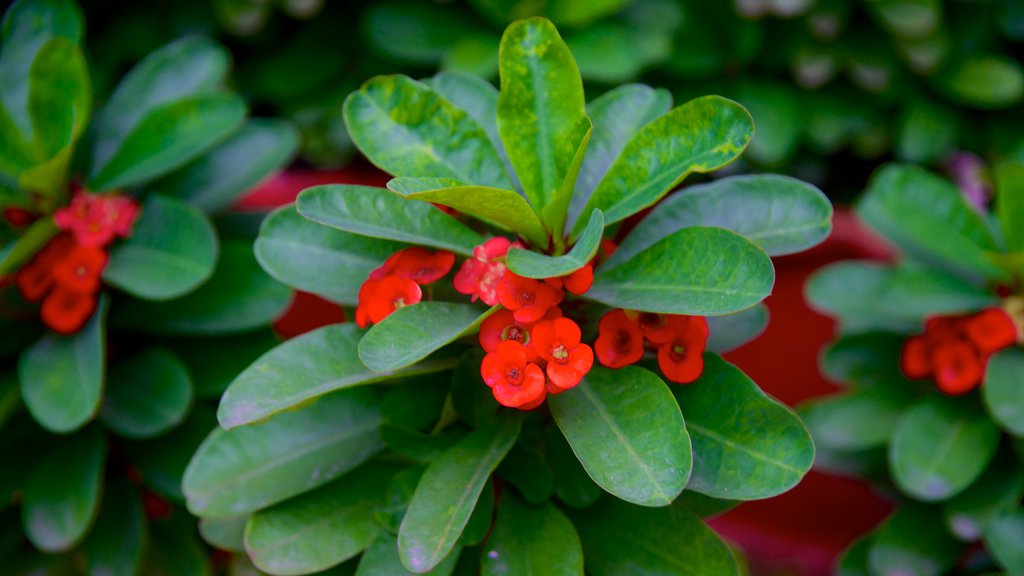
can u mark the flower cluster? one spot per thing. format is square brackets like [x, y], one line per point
[398, 282]
[65, 274]
[680, 342]
[953, 350]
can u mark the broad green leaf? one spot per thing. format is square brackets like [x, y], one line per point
[147, 394]
[540, 107]
[983, 81]
[215, 363]
[940, 447]
[175, 549]
[479, 525]
[382, 559]
[60, 97]
[238, 297]
[472, 400]
[162, 460]
[62, 376]
[699, 271]
[448, 493]
[529, 472]
[700, 136]
[213, 182]
[392, 507]
[33, 239]
[1009, 179]
[1003, 536]
[927, 132]
[857, 420]
[316, 258]
[319, 529]
[869, 296]
[746, 446]
[854, 560]
[628, 432]
[999, 488]
[427, 32]
[169, 137]
[556, 210]
[913, 540]
[242, 470]
[416, 403]
[705, 506]
[302, 369]
[413, 333]
[624, 540]
[734, 330]
[532, 264]
[378, 213]
[531, 540]
[573, 485]
[407, 129]
[777, 108]
[912, 207]
[780, 214]
[864, 359]
[617, 116]
[16, 153]
[186, 67]
[1003, 389]
[115, 544]
[503, 208]
[225, 533]
[172, 250]
[62, 493]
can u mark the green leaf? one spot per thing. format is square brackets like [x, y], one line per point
[573, 485]
[33, 239]
[396, 500]
[700, 271]
[215, 363]
[705, 506]
[60, 97]
[531, 540]
[238, 297]
[62, 493]
[225, 533]
[746, 446]
[172, 250]
[315, 258]
[864, 359]
[700, 136]
[503, 208]
[169, 137]
[162, 460]
[175, 549]
[988, 82]
[912, 207]
[378, 213]
[999, 488]
[529, 472]
[16, 154]
[62, 376]
[555, 212]
[780, 214]
[300, 370]
[448, 493]
[382, 559]
[540, 107]
[479, 525]
[617, 115]
[213, 182]
[242, 470]
[183, 68]
[734, 330]
[940, 447]
[115, 545]
[319, 529]
[857, 420]
[1003, 536]
[532, 264]
[407, 129]
[913, 541]
[413, 333]
[147, 394]
[628, 432]
[1002, 390]
[854, 560]
[624, 540]
[472, 399]
[1009, 186]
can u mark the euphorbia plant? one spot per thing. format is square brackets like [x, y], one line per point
[930, 347]
[484, 416]
[108, 257]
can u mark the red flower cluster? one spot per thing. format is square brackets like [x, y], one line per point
[954, 349]
[397, 282]
[680, 342]
[65, 274]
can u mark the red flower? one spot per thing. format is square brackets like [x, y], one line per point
[655, 327]
[579, 281]
[417, 264]
[914, 360]
[379, 298]
[681, 357]
[620, 342]
[35, 279]
[991, 330]
[95, 219]
[528, 299]
[479, 275]
[957, 367]
[80, 269]
[66, 311]
[515, 381]
[18, 217]
[558, 342]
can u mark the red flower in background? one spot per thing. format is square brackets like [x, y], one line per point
[479, 276]
[96, 219]
[579, 281]
[681, 357]
[514, 380]
[620, 341]
[528, 299]
[66, 311]
[65, 277]
[568, 360]
[80, 269]
[417, 264]
[379, 298]
[991, 330]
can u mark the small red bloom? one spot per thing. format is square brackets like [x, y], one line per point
[35, 279]
[558, 342]
[417, 264]
[620, 342]
[528, 299]
[655, 327]
[96, 219]
[991, 330]
[579, 281]
[515, 381]
[379, 298]
[957, 367]
[66, 311]
[914, 360]
[681, 358]
[18, 217]
[479, 275]
[502, 326]
[80, 269]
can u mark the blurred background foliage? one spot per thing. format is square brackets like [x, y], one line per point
[835, 86]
